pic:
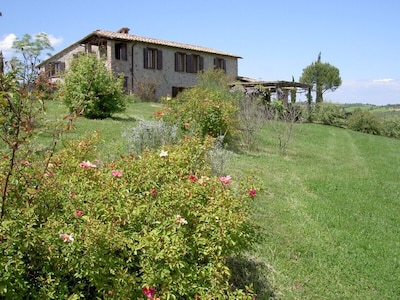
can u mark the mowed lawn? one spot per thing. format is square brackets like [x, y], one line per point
[328, 211]
[330, 214]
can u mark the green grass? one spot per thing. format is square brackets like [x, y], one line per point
[329, 209]
[329, 214]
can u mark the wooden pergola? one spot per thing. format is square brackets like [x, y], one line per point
[281, 88]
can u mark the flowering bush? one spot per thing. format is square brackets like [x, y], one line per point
[209, 108]
[158, 226]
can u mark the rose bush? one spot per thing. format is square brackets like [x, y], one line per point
[159, 226]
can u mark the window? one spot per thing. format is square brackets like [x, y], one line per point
[55, 68]
[176, 90]
[180, 62]
[194, 63]
[219, 63]
[152, 58]
[120, 51]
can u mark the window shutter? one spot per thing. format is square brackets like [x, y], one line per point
[62, 66]
[146, 58]
[176, 61]
[201, 63]
[224, 65]
[159, 60]
[189, 63]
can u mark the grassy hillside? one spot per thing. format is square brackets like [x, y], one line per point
[329, 211]
[329, 214]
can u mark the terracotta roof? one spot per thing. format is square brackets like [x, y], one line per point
[135, 38]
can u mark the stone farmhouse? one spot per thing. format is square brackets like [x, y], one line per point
[163, 66]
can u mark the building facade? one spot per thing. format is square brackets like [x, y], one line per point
[163, 67]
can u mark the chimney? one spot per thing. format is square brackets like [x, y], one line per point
[124, 30]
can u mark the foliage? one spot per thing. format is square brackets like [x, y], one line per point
[252, 118]
[150, 135]
[89, 88]
[390, 127]
[97, 229]
[323, 76]
[209, 108]
[282, 119]
[145, 89]
[328, 114]
[31, 49]
[364, 121]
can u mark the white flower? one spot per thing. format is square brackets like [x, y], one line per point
[67, 238]
[163, 153]
[180, 220]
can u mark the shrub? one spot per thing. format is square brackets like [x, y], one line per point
[391, 127]
[328, 114]
[151, 135]
[159, 225]
[92, 90]
[364, 121]
[209, 108]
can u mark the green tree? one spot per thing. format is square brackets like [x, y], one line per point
[91, 89]
[323, 76]
[31, 49]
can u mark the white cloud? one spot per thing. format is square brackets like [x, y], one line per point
[383, 80]
[54, 41]
[6, 44]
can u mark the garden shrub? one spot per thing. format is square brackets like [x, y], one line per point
[92, 90]
[159, 225]
[364, 121]
[209, 108]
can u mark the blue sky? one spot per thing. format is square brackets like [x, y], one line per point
[276, 39]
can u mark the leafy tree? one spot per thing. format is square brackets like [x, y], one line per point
[323, 76]
[31, 49]
[91, 89]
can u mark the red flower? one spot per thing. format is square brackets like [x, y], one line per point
[79, 213]
[252, 192]
[149, 292]
[193, 178]
[153, 192]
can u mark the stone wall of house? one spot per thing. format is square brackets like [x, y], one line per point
[137, 76]
[164, 80]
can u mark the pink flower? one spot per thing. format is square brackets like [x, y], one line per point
[87, 164]
[226, 179]
[193, 178]
[79, 213]
[186, 125]
[72, 195]
[252, 192]
[26, 163]
[153, 192]
[116, 173]
[149, 292]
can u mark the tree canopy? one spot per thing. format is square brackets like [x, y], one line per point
[31, 49]
[323, 77]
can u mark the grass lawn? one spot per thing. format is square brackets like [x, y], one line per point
[330, 214]
[329, 210]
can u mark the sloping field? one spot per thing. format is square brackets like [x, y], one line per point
[330, 214]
